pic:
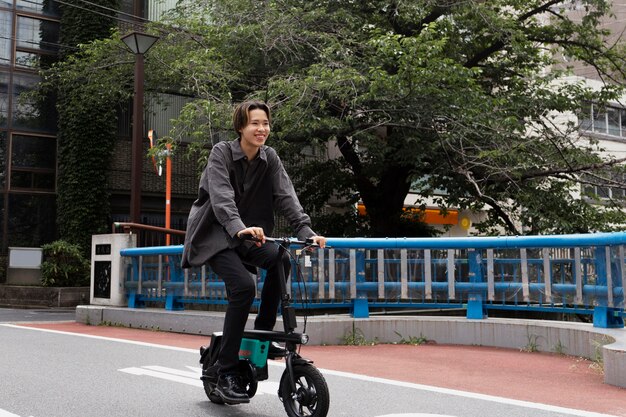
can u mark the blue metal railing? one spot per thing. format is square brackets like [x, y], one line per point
[573, 274]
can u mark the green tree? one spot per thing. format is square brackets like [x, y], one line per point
[87, 125]
[64, 265]
[420, 95]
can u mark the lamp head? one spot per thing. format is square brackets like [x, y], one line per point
[138, 42]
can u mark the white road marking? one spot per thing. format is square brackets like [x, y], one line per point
[416, 415]
[189, 377]
[5, 413]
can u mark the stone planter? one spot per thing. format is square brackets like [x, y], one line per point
[27, 296]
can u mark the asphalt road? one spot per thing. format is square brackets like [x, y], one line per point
[9, 315]
[46, 373]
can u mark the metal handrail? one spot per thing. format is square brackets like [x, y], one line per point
[129, 227]
[577, 274]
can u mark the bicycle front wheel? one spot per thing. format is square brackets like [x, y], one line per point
[311, 397]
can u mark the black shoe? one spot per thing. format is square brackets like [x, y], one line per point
[230, 389]
[276, 351]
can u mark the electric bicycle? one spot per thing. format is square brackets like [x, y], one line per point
[302, 389]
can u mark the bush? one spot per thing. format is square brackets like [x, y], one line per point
[64, 265]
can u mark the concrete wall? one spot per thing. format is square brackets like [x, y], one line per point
[42, 297]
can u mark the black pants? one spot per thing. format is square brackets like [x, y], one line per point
[240, 290]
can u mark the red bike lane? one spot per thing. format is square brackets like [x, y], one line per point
[550, 379]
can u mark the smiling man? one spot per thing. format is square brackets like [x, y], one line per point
[242, 187]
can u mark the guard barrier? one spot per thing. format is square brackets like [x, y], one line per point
[571, 274]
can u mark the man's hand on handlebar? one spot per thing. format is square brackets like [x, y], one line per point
[319, 240]
[253, 233]
[257, 235]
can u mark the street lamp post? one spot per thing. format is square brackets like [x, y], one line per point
[138, 43]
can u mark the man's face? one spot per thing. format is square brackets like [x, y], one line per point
[257, 130]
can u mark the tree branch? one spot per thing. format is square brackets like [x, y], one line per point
[500, 43]
[490, 201]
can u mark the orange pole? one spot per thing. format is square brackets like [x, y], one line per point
[168, 192]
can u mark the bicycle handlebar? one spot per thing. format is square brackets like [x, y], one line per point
[308, 242]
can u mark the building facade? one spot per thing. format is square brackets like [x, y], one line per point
[29, 33]
[29, 41]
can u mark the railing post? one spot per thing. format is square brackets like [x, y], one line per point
[360, 308]
[172, 298]
[475, 307]
[134, 295]
[605, 315]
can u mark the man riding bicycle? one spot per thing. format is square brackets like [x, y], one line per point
[242, 186]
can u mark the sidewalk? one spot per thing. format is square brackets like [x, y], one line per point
[552, 379]
[576, 339]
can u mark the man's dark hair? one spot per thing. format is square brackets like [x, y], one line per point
[240, 116]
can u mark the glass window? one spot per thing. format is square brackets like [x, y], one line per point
[47, 7]
[37, 34]
[616, 192]
[29, 114]
[33, 152]
[613, 119]
[603, 192]
[623, 121]
[33, 163]
[3, 158]
[6, 24]
[41, 181]
[4, 99]
[585, 117]
[31, 219]
[26, 60]
[599, 119]
[157, 8]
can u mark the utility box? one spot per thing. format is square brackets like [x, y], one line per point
[107, 268]
[24, 266]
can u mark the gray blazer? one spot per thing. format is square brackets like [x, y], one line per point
[235, 193]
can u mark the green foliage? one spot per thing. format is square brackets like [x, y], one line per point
[64, 265]
[90, 21]
[533, 343]
[456, 95]
[412, 340]
[402, 96]
[87, 127]
[355, 337]
[560, 348]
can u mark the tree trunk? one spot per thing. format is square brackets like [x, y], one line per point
[384, 203]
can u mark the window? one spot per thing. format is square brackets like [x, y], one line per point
[599, 119]
[36, 42]
[606, 120]
[6, 25]
[163, 108]
[3, 159]
[47, 7]
[22, 209]
[4, 99]
[29, 114]
[156, 8]
[606, 192]
[26, 60]
[33, 163]
[37, 34]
